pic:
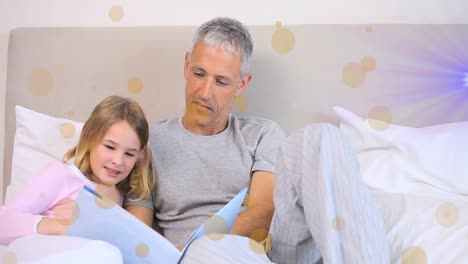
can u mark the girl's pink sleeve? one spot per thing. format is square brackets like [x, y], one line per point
[20, 216]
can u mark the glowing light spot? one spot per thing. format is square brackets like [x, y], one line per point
[103, 203]
[61, 214]
[338, 223]
[283, 41]
[142, 250]
[447, 215]
[40, 82]
[260, 241]
[10, 258]
[135, 85]
[259, 234]
[67, 130]
[241, 102]
[116, 13]
[256, 247]
[215, 228]
[250, 201]
[353, 75]
[465, 80]
[71, 114]
[368, 63]
[380, 118]
[414, 255]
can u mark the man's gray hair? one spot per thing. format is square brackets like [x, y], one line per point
[229, 34]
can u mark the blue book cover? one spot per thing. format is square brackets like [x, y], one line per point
[99, 219]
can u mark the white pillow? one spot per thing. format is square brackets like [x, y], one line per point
[39, 139]
[407, 159]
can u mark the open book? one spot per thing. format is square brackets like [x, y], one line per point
[99, 219]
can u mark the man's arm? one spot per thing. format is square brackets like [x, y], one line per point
[260, 208]
[145, 214]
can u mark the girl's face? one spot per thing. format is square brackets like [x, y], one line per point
[115, 155]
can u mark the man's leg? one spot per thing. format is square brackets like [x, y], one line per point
[322, 205]
[230, 249]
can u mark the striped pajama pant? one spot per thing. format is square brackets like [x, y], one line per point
[322, 207]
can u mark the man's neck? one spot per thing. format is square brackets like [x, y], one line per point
[198, 128]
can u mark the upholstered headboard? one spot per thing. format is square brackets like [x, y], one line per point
[405, 74]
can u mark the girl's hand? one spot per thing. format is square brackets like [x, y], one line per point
[50, 226]
[63, 216]
[63, 210]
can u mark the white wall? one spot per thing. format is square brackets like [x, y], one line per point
[48, 13]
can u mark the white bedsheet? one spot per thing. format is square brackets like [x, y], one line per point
[425, 228]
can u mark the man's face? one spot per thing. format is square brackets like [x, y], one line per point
[213, 80]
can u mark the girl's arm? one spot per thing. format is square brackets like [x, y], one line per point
[22, 215]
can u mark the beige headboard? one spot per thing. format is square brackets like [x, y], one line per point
[404, 74]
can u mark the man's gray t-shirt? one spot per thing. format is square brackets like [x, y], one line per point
[197, 175]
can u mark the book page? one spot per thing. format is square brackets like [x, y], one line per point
[99, 219]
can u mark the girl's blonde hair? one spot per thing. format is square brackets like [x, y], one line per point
[141, 180]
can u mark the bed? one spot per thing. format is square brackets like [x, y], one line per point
[398, 92]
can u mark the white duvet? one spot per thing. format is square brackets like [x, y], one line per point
[425, 229]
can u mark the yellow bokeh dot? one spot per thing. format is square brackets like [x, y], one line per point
[414, 255]
[259, 234]
[192, 113]
[241, 102]
[283, 41]
[103, 202]
[10, 258]
[278, 24]
[116, 13]
[369, 29]
[40, 82]
[135, 85]
[71, 114]
[215, 227]
[353, 75]
[368, 63]
[338, 223]
[256, 247]
[93, 88]
[63, 221]
[42, 195]
[251, 202]
[142, 250]
[67, 130]
[447, 214]
[380, 118]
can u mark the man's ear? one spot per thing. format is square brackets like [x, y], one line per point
[186, 63]
[243, 84]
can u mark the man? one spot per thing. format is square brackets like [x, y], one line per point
[205, 158]
[322, 208]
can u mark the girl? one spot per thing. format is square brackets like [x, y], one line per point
[112, 157]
